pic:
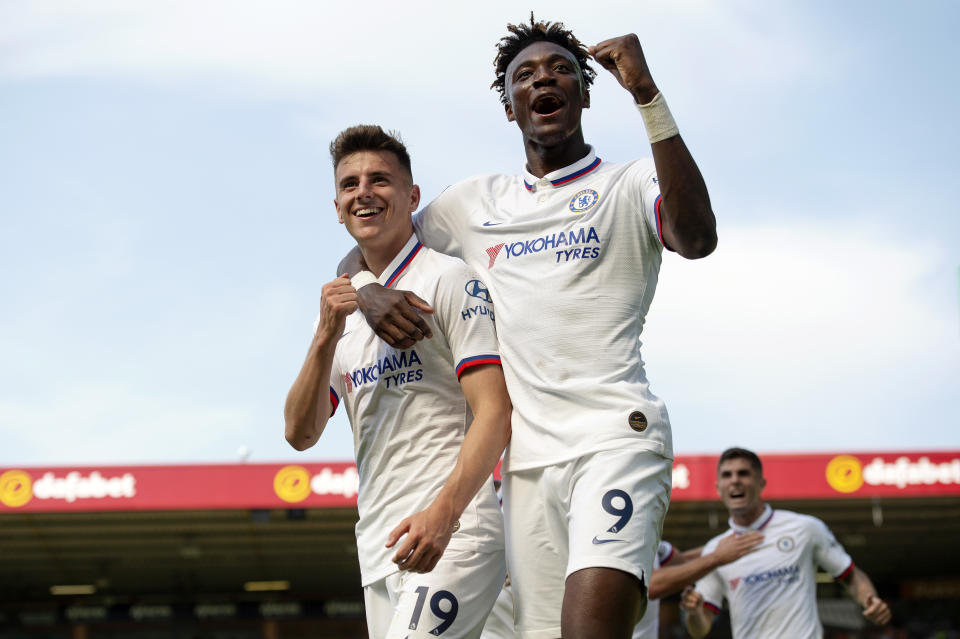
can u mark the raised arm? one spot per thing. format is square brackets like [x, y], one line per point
[684, 571]
[862, 591]
[428, 532]
[308, 404]
[391, 313]
[687, 221]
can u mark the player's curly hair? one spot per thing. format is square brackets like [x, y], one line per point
[369, 137]
[523, 35]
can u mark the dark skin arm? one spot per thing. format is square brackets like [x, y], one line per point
[393, 314]
[688, 224]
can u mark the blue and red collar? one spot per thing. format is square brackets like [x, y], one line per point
[401, 262]
[758, 524]
[567, 174]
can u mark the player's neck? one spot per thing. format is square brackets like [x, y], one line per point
[378, 252]
[547, 159]
[747, 518]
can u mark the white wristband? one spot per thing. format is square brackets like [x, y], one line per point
[363, 278]
[657, 119]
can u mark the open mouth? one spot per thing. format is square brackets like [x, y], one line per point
[547, 104]
[367, 212]
[737, 495]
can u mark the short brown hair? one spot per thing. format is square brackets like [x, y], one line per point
[369, 137]
[741, 453]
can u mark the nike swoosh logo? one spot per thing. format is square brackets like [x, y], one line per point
[489, 223]
[606, 541]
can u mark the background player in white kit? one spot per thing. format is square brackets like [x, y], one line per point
[570, 249]
[772, 592]
[422, 463]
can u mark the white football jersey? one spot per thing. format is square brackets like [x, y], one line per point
[772, 591]
[571, 260]
[406, 408]
[649, 625]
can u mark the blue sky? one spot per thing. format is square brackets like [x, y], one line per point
[166, 218]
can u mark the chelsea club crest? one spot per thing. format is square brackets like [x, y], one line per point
[584, 201]
[785, 543]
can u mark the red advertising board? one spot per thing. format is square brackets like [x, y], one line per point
[328, 485]
[824, 476]
[334, 484]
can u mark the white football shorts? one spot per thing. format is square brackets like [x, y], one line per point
[500, 622]
[605, 509]
[451, 601]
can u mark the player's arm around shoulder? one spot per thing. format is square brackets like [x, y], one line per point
[308, 405]
[684, 571]
[688, 225]
[395, 315]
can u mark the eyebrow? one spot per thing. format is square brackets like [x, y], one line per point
[355, 176]
[738, 471]
[553, 57]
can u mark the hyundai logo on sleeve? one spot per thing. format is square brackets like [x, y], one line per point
[476, 288]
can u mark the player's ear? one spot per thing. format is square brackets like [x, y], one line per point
[508, 108]
[336, 205]
[414, 198]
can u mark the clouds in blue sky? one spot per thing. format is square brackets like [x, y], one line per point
[166, 220]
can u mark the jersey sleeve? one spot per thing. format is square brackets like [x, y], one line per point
[665, 552]
[338, 381]
[465, 312]
[711, 585]
[440, 224]
[645, 183]
[827, 551]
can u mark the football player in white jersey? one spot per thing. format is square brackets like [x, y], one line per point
[772, 592]
[429, 422]
[570, 249]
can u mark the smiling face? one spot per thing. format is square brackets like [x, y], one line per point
[545, 93]
[739, 485]
[375, 197]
